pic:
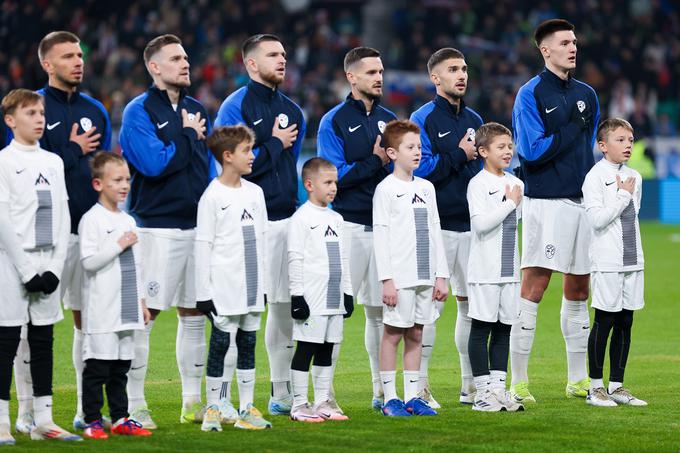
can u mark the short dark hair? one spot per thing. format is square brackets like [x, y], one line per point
[550, 26]
[611, 124]
[441, 55]
[254, 41]
[156, 44]
[227, 138]
[52, 39]
[101, 159]
[314, 165]
[357, 54]
[18, 98]
[487, 132]
[395, 131]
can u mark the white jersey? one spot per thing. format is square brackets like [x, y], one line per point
[318, 268]
[407, 233]
[230, 247]
[494, 251]
[32, 182]
[613, 214]
[112, 288]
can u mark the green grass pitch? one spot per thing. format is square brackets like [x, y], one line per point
[554, 424]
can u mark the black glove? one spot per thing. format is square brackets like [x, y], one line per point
[50, 282]
[299, 308]
[349, 305]
[583, 119]
[35, 284]
[207, 307]
[265, 300]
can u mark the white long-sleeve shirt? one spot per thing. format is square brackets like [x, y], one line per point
[615, 245]
[318, 268]
[494, 252]
[34, 205]
[112, 285]
[230, 248]
[407, 236]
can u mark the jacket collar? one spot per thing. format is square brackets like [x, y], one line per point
[443, 103]
[163, 94]
[262, 91]
[359, 105]
[62, 96]
[552, 78]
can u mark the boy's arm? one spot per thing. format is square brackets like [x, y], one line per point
[61, 249]
[599, 215]
[10, 242]
[296, 247]
[381, 234]
[91, 257]
[346, 282]
[205, 237]
[441, 266]
[485, 221]
[265, 234]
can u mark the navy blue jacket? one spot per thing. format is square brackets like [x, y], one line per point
[346, 137]
[274, 169]
[170, 167]
[554, 154]
[442, 126]
[61, 112]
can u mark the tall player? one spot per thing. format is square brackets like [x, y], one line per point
[447, 132]
[554, 120]
[279, 128]
[350, 137]
[163, 139]
[76, 126]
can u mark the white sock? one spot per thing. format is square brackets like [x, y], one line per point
[229, 369]
[246, 387]
[575, 323]
[278, 338]
[78, 366]
[497, 380]
[138, 367]
[373, 331]
[596, 384]
[613, 386]
[429, 335]
[389, 385]
[213, 389]
[411, 378]
[481, 383]
[42, 410]
[190, 352]
[22, 375]
[321, 379]
[461, 336]
[300, 381]
[334, 363]
[4, 412]
[522, 340]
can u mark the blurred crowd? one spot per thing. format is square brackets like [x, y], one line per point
[629, 51]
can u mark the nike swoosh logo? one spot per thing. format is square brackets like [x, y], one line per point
[161, 126]
[52, 126]
[609, 183]
[27, 362]
[297, 309]
[313, 227]
[247, 382]
[386, 382]
[526, 328]
[197, 365]
[290, 347]
[137, 367]
[411, 381]
[491, 193]
[399, 196]
[440, 135]
[550, 110]
[110, 231]
[215, 389]
[352, 129]
[585, 327]
[20, 171]
[255, 123]
[225, 207]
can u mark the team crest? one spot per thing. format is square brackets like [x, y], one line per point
[283, 120]
[191, 116]
[330, 232]
[550, 251]
[472, 133]
[86, 123]
[246, 216]
[581, 106]
[381, 126]
[417, 199]
[41, 180]
[152, 288]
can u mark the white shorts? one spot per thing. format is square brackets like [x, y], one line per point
[319, 329]
[414, 306]
[555, 235]
[168, 270]
[250, 322]
[72, 276]
[457, 248]
[277, 261]
[109, 346]
[491, 302]
[358, 246]
[616, 291]
[17, 307]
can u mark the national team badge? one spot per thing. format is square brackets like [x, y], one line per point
[153, 288]
[550, 251]
[581, 106]
[191, 116]
[472, 133]
[86, 123]
[283, 120]
[381, 126]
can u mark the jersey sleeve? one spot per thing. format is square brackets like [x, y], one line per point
[346, 282]
[205, 237]
[599, 215]
[92, 257]
[381, 233]
[296, 249]
[60, 251]
[482, 219]
[441, 264]
[264, 225]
